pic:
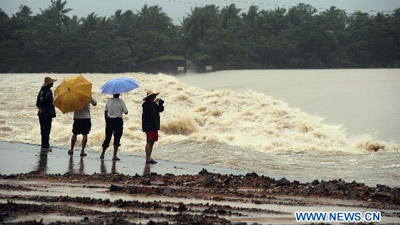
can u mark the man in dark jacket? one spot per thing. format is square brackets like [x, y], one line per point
[151, 121]
[44, 103]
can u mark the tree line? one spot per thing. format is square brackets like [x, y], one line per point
[226, 38]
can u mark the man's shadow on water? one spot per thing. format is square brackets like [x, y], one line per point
[103, 168]
[146, 170]
[42, 165]
[81, 169]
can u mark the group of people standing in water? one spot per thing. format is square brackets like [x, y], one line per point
[114, 109]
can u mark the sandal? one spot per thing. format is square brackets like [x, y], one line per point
[152, 161]
[115, 159]
[83, 154]
[70, 152]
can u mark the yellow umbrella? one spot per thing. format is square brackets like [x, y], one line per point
[72, 94]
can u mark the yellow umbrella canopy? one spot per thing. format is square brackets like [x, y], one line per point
[72, 94]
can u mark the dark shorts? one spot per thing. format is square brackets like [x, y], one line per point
[152, 136]
[81, 126]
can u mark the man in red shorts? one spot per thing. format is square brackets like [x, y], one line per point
[152, 107]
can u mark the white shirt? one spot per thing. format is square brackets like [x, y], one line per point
[85, 112]
[115, 107]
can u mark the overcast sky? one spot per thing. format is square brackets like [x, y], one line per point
[177, 9]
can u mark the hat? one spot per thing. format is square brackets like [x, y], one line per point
[148, 94]
[48, 80]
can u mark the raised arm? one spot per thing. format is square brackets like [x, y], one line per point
[160, 106]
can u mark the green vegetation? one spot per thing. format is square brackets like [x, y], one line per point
[225, 38]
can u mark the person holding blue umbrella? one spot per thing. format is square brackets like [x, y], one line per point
[114, 110]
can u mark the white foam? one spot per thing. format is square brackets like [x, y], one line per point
[250, 120]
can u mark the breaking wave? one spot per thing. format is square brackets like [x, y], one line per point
[249, 120]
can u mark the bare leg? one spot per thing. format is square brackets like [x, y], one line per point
[149, 149]
[84, 141]
[73, 141]
[115, 152]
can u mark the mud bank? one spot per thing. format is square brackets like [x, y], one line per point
[205, 198]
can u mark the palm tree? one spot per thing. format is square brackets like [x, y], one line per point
[89, 23]
[3, 15]
[251, 20]
[333, 19]
[22, 19]
[229, 15]
[199, 21]
[58, 11]
[3, 26]
[153, 18]
[74, 23]
[24, 12]
[124, 23]
[301, 14]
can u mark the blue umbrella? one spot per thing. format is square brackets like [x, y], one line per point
[119, 85]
